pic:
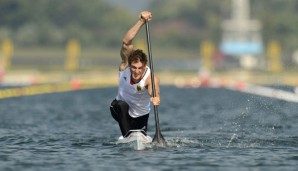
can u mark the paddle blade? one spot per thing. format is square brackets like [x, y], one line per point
[159, 139]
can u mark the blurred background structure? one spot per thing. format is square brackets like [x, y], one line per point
[51, 41]
[241, 37]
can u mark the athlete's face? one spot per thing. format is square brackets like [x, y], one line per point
[137, 70]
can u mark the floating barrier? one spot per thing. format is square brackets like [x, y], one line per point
[48, 88]
[269, 92]
[240, 86]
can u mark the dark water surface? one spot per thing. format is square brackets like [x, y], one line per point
[206, 129]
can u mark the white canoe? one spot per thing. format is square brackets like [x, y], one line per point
[137, 138]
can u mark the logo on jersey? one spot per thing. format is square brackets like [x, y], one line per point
[139, 88]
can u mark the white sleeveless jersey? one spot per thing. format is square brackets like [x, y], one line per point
[135, 95]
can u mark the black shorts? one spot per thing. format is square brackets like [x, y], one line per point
[119, 111]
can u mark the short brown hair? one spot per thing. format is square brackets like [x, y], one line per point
[137, 55]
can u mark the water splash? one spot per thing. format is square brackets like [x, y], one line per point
[180, 142]
[234, 136]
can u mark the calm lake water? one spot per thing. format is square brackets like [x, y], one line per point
[206, 129]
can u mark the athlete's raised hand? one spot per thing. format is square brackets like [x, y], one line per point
[145, 15]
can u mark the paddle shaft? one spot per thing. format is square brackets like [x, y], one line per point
[158, 137]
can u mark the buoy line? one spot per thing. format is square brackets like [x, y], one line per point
[241, 86]
[47, 88]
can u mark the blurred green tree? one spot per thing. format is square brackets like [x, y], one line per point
[176, 23]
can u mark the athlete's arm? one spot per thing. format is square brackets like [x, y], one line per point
[127, 45]
[155, 100]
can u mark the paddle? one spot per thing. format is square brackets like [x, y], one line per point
[158, 138]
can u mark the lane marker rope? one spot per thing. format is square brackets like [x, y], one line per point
[241, 86]
[48, 88]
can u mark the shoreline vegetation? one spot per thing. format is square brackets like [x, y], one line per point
[100, 66]
[108, 76]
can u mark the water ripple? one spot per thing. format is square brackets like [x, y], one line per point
[205, 129]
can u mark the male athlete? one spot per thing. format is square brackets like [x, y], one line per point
[132, 104]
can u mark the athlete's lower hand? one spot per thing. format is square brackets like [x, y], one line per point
[155, 101]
